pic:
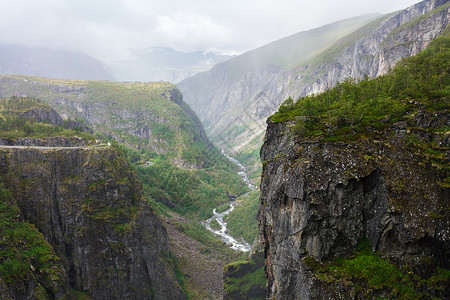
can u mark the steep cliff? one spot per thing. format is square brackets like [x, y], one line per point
[336, 188]
[74, 217]
[88, 203]
[235, 97]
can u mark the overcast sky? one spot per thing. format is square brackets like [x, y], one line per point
[108, 29]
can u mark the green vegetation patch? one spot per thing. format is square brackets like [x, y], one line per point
[242, 221]
[207, 238]
[245, 283]
[24, 253]
[368, 272]
[14, 126]
[354, 109]
[245, 278]
[215, 224]
[194, 192]
[222, 208]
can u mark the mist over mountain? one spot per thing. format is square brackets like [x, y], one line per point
[166, 64]
[22, 60]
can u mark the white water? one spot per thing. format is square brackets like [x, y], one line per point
[235, 244]
[242, 172]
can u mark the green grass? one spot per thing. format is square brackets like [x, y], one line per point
[194, 192]
[215, 224]
[367, 271]
[207, 238]
[246, 282]
[240, 283]
[222, 208]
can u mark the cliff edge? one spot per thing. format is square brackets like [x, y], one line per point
[357, 207]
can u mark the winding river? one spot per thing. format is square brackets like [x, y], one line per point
[240, 245]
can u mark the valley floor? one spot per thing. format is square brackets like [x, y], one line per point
[201, 268]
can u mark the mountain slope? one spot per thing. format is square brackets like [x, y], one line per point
[51, 63]
[235, 97]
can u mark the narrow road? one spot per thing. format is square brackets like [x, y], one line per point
[51, 148]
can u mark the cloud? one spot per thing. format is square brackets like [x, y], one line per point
[109, 30]
[201, 30]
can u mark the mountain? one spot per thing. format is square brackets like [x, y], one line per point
[235, 97]
[355, 187]
[166, 64]
[74, 219]
[23, 60]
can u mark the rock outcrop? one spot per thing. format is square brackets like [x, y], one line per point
[89, 206]
[319, 198]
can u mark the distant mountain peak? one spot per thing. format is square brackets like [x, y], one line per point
[51, 63]
[166, 64]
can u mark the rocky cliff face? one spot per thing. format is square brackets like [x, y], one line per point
[234, 103]
[319, 198]
[88, 204]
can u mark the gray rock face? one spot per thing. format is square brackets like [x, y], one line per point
[236, 93]
[44, 115]
[88, 203]
[319, 198]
